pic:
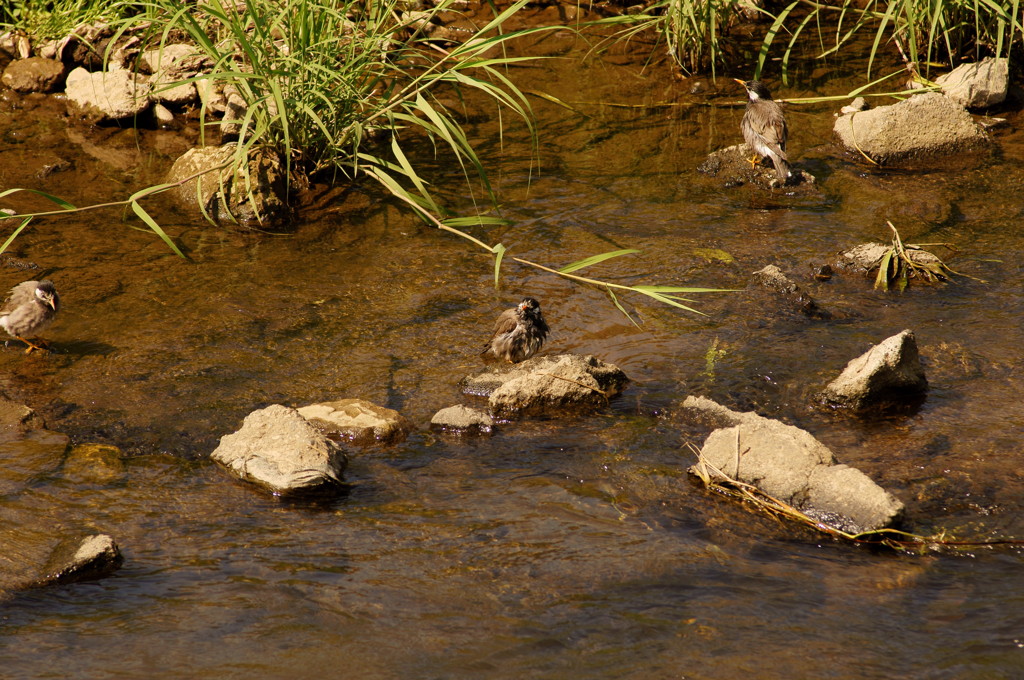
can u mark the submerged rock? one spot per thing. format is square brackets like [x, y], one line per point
[357, 420]
[549, 383]
[790, 464]
[772, 278]
[85, 559]
[257, 194]
[106, 95]
[462, 419]
[889, 372]
[925, 125]
[34, 74]
[732, 165]
[979, 85]
[280, 450]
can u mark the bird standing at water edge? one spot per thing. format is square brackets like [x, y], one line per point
[28, 310]
[764, 127]
[518, 333]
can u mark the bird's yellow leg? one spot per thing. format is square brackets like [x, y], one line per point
[754, 161]
[38, 344]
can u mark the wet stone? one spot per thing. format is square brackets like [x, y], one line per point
[34, 74]
[83, 559]
[547, 384]
[357, 420]
[890, 372]
[923, 126]
[460, 419]
[792, 465]
[106, 95]
[278, 449]
[731, 165]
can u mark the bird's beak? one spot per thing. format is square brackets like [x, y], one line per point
[52, 304]
[743, 83]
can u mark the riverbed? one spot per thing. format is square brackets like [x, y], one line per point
[573, 547]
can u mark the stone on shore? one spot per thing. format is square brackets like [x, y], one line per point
[34, 74]
[106, 95]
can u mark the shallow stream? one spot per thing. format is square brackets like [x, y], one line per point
[558, 548]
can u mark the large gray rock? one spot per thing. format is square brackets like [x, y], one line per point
[462, 419]
[548, 383]
[889, 372]
[258, 194]
[279, 449]
[788, 463]
[925, 125]
[978, 85]
[357, 420]
[106, 95]
[34, 74]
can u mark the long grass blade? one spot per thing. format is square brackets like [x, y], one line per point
[595, 259]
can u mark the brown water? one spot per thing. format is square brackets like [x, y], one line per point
[571, 548]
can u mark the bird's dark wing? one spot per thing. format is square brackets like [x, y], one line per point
[776, 132]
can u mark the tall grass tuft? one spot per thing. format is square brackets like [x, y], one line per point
[350, 87]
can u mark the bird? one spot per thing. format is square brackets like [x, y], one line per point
[518, 333]
[28, 310]
[764, 127]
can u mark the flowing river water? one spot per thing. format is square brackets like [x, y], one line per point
[573, 547]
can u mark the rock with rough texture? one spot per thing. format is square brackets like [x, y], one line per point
[772, 278]
[106, 95]
[357, 420]
[279, 449]
[979, 85]
[925, 125]
[462, 419]
[170, 66]
[549, 383]
[34, 74]
[731, 164]
[87, 559]
[788, 463]
[223, 191]
[868, 256]
[889, 372]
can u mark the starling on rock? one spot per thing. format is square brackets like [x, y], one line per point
[518, 333]
[29, 309]
[764, 127]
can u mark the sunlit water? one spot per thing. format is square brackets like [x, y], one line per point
[559, 548]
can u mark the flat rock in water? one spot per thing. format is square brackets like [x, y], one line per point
[357, 420]
[86, 559]
[548, 383]
[106, 95]
[462, 419]
[924, 126]
[731, 164]
[773, 278]
[280, 450]
[790, 464]
[890, 372]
